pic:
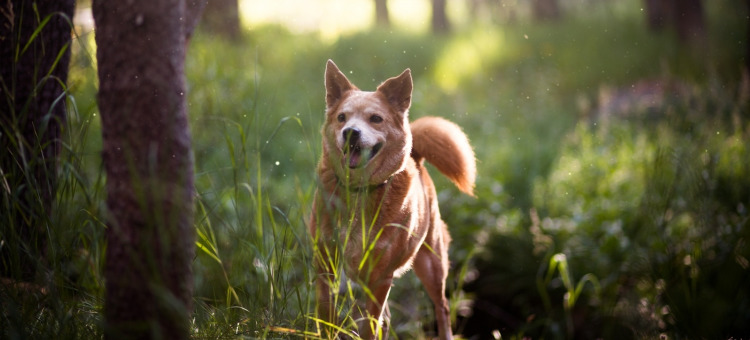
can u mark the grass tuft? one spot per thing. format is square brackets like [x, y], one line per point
[650, 201]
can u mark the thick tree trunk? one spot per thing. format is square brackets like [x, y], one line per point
[382, 18]
[148, 160]
[440, 23]
[33, 73]
[747, 36]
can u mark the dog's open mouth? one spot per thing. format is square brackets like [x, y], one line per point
[355, 154]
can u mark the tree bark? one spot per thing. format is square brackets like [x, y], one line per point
[440, 23]
[33, 74]
[382, 18]
[194, 9]
[658, 13]
[747, 36]
[685, 16]
[147, 156]
[222, 18]
[691, 25]
[546, 10]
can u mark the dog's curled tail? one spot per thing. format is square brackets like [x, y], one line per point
[443, 144]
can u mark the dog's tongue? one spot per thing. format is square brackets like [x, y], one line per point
[354, 157]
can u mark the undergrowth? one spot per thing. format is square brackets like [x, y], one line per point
[588, 223]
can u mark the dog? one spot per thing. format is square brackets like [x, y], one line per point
[375, 209]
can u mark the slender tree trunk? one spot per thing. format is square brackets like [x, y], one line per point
[546, 10]
[685, 16]
[194, 9]
[658, 13]
[148, 160]
[33, 74]
[382, 18]
[440, 23]
[691, 25]
[222, 18]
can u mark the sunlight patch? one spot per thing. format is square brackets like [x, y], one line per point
[469, 56]
[329, 18]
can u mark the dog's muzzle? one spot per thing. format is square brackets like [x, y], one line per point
[353, 147]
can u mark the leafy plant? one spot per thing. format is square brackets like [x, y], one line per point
[573, 291]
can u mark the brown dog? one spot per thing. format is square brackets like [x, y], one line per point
[376, 209]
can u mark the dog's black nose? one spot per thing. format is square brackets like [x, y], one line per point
[351, 135]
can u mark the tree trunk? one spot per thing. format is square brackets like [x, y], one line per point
[148, 160]
[382, 19]
[658, 13]
[194, 9]
[685, 16]
[222, 18]
[747, 36]
[546, 10]
[33, 74]
[440, 23]
[691, 26]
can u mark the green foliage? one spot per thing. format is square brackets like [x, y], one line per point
[650, 203]
[641, 200]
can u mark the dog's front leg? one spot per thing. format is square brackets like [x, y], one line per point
[325, 278]
[325, 286]
[373, 327]
[326, 308]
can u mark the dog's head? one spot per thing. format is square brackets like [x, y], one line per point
[366, 134]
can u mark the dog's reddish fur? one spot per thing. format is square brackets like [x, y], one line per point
[378, 215]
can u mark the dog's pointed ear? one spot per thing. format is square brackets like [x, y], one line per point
[336, 84]
[397, 90]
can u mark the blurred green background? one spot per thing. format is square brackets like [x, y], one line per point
[613, 169]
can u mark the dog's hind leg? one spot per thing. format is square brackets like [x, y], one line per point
[377, 308]
[431, 266]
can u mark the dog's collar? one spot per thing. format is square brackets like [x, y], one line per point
[364, 188]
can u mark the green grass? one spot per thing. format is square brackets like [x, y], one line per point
[652, 205]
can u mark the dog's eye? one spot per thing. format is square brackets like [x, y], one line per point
[341, 117]
[376, 119]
